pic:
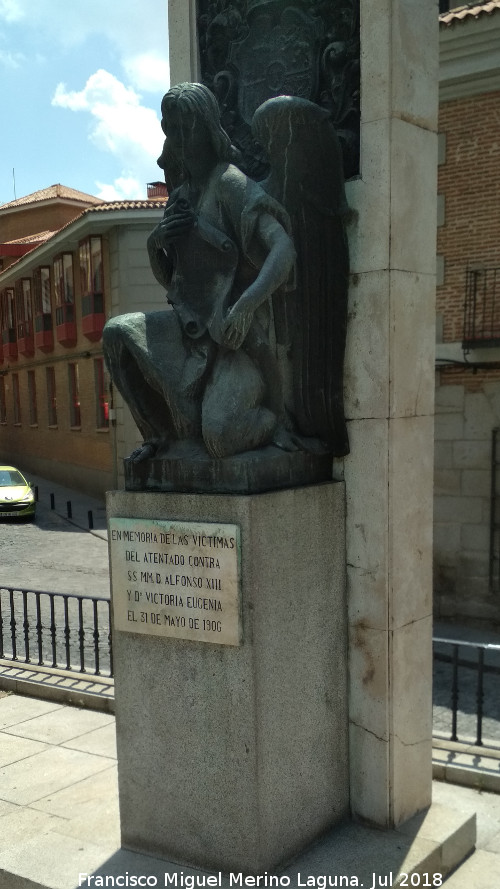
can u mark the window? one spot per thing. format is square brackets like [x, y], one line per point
[92, 287]
[74, 396]
[101, 395]
[8, 324]
[16, 399]
[3, 403]
[64, 293]
[51, 396]
[24, 317]
[64, 288]
[32, 398]
[44, 337]
[41, 281]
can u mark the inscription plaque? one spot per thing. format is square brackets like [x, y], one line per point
[176, 579]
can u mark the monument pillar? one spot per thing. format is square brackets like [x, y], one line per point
[389, 392]
[389, 401]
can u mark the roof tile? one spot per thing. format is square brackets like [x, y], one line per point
[50, 193]
[472, 10]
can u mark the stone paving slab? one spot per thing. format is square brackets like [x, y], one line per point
[15, 709]
[59, 815]
[34, 778]
[86, 797]
[101, 741]
[481, 871]
[60, 725]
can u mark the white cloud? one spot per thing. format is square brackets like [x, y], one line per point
[138, 31]
[148, 71]
[11, 11]
[12, 59]
[121, 126]
[121, 189]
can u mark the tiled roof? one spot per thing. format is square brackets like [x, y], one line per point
[32, 239]
[471, 10]
[153, 204]
[143, 204]
[54, 191]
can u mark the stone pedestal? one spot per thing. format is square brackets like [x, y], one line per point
[389, 386]
[234, 757]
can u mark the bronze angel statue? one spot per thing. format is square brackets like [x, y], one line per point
[249, 357]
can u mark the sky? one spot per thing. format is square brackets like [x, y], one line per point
[81, 86]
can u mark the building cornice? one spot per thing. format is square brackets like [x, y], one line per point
[92, 221]
[469, 57]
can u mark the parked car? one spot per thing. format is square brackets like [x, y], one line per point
[17, 499]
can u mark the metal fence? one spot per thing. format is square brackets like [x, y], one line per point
[71, 632]
[466, 694]
[481, 308]
[57, 630]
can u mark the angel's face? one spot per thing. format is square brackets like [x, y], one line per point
[186, 132]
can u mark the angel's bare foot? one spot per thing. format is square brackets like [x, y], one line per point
[285, 439]
[143, 452]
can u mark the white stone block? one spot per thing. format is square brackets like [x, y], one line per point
[369, 199]
[412, 668]
[443, 454]
[474, 538]
[458, 509]
[367, 358]
[480, 418]
[412, 777]
[471, 454]
[413, 198]
[412, 348]
[370, 776]
[375, 23]
[441, 210]
[366, 478]
[182, 41]
[415, 62]
[410, 519]
[449, 399]
[476, 483]
[447, 482]
[448, 427]
[369, 679]
[446, 538]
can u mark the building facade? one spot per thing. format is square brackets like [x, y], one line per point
[58, 416]
[467, 405]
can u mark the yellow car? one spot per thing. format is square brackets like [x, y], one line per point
[17, 499]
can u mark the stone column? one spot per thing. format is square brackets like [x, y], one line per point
[389, 394]
[389, 389]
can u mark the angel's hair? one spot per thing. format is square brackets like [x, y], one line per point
[197, 99]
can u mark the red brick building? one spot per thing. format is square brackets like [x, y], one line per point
[467, 480]
[56, 413]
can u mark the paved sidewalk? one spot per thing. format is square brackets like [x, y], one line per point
[81, 504]
[59, 814]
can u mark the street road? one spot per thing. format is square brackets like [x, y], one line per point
[52, 554]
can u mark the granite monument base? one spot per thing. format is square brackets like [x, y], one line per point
[233, 756]
[267, 469]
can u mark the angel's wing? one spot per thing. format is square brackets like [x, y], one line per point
[307, 178]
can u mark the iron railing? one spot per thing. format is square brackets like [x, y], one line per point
[64, 631]
[494, 555]
[466, 692]
[481, 308]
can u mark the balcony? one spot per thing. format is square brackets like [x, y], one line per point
[481, 309]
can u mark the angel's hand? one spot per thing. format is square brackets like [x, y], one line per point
[173, 227]
[236, 325]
